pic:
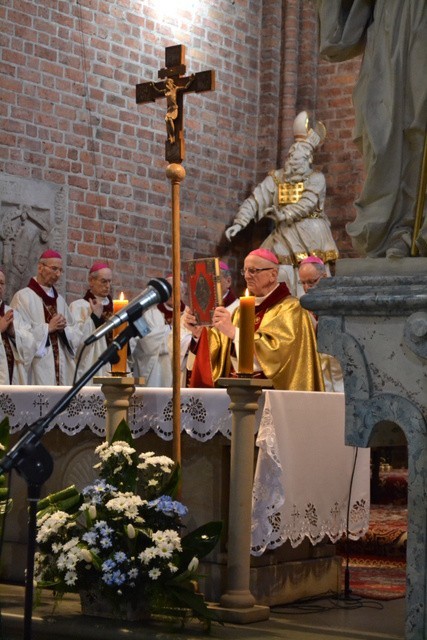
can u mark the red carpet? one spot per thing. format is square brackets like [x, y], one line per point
[387, 533]
[378, 578]
[378, 560]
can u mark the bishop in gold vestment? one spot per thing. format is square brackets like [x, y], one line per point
[285, 341]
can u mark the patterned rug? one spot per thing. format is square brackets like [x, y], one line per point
[386, 536]
[376, 577]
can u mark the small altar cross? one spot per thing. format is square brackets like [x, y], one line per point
[41, 401]
[173, 87]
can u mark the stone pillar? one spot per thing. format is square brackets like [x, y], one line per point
[373, 319]
[117, 392]
[237, 604]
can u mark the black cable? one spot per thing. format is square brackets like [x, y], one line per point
[308, 605]
[79, 357]
[347, 590]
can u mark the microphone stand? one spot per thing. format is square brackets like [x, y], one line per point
[34, 463]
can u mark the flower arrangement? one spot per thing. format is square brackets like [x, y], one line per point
[121, 536]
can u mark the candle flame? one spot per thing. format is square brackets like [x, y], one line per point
[246, 292]
[122, 296]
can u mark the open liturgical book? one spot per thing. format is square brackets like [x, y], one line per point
[204, 287]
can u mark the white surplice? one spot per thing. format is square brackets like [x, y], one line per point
[82, 314]
[23, 348]
[151, 356]
[41, 370]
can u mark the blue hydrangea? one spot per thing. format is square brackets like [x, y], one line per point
[169, 507]
[96, 491]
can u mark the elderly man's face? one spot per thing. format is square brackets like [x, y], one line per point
[49, 271]
[100, 282]
[309, 276]
[260, 275]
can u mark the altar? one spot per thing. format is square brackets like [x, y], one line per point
[309, 488]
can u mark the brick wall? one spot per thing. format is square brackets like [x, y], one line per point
[68, 115]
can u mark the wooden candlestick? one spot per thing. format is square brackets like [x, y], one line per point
[120, 368]
[246, 337]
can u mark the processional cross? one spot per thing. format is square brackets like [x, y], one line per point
[172, 87]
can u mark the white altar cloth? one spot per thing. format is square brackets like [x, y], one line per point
[303, 470]
[304, 474]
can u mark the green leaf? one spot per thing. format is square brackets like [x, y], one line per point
[123, 433]
[196, 602]
[5, 432]
[170, 487]
[201, 541]
[59, 499]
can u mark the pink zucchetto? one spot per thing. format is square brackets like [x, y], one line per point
[265, 254]
[97, 266]
[311, 260]
[224, 266]
[50, 253]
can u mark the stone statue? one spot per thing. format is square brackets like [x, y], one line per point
[390, 101]
[24, 231]
[294, 198]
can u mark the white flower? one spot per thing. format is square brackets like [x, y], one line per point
[70, 544]
[126, 503]
[168, 537]
[70, 578]
[164, 550]
[148, 554]
[92, 511]
[130, 530]
[154, 573]
[116, 449]
[149, 459]
[50, 524]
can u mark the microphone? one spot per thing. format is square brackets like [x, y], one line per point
[158, 290]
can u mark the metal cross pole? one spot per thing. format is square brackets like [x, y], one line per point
[173, 85]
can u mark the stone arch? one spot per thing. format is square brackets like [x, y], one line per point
[391, 408]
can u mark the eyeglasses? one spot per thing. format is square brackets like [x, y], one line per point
[310, 283]
[253, 270]
[54, 269]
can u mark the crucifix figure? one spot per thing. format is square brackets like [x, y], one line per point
[172, 87]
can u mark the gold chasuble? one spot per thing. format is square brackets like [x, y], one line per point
[285, 345]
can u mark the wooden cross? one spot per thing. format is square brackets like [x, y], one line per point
[173, 87]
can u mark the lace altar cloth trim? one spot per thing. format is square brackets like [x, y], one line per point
[303, 474]
[202, 414]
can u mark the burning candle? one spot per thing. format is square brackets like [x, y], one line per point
[120, 368]
[246, 335]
